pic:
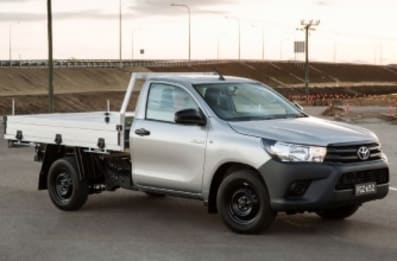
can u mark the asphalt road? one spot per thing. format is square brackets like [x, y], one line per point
[131, 226]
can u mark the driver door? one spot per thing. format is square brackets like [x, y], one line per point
[167, 155]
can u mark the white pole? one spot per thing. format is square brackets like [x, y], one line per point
[10, 43]
[238, 20]
[132, 46]
[190, 32]
[108, 105]
[263, 42]
[217, 48]
[13, 106]
[121, 34]
[239, 38]
[189, 12]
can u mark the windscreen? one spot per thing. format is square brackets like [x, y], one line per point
[246, 101]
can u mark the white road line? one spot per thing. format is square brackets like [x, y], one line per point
[392, 188]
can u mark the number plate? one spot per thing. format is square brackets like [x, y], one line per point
[365, 189]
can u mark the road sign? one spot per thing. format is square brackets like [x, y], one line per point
[299, 46]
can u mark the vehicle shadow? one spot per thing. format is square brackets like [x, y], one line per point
[189, 216]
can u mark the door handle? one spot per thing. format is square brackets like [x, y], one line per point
[142, 132]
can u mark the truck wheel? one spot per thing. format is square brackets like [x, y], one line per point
[243, 202]
[65, 188]
[338, 213]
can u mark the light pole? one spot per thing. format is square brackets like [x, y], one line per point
[217, 48]
[282, 40]
[239, 33]
[51, 103]
[218, 45]
[133, 42]
[381, 53]
[307, 25]
[189, 27]
[120, 34]
[281, 49]
[263, 42]
[10, 41]
[262, 28]
[335, 50]
[132, 45]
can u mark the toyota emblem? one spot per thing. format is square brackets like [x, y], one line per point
[363, 153]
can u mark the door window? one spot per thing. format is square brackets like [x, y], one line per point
[165, 100]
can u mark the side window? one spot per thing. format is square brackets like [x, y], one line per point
[165, 100]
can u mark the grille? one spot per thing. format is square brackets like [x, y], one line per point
[348, 153]
[349, 180]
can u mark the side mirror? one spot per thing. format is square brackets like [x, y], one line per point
[297, 105]
[191, 117]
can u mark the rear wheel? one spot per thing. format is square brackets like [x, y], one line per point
[338, 213]
[65, 188]
[244, 204]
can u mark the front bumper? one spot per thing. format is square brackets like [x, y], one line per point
[322, 179]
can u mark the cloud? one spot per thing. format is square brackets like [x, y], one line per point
[13, 1]
[133, 9]
[161, 7]
[84, 14]
[323, 2]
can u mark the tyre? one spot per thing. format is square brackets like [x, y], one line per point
[338, 213]
[244, 204]
[154, 194]
[65, 188]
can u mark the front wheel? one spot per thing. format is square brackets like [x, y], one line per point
[67, 191]
[339, 213]
[244, 203]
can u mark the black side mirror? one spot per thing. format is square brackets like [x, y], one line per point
[191, 117]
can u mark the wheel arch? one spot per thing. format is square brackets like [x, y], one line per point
[55, 152]
[220, 174]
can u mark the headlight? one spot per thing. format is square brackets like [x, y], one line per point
[287, 152]
[385, 158]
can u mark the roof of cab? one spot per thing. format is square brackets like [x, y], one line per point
[198, 79]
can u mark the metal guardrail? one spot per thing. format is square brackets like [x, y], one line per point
[103, 63]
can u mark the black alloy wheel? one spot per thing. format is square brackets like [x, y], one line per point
[65, 187]
[243, 202]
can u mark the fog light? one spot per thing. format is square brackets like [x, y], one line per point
[298, 188]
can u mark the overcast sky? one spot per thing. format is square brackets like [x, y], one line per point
[350, 30]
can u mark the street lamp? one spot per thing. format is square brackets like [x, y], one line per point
[263, 42]
[133, 42]
[282, 40]
[262, 28]
[10, 41]
[51, 103]
[307, 25]
[132, 45]
[239, 33]
[218, 44]
[120, 34]
[218, 47]
[189, 25]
